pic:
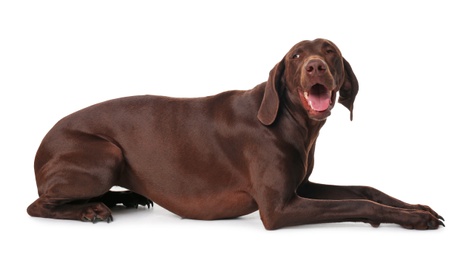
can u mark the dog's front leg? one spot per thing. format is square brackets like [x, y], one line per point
[299, 211]
[334, 192]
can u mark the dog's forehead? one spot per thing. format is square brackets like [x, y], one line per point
[314, 45]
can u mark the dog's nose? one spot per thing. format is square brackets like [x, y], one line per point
[316, 66]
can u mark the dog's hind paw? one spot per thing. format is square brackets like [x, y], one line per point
[96, 212]
[132, 200]
[127, 198]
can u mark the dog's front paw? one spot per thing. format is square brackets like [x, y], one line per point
[428, 209]
[423, 220]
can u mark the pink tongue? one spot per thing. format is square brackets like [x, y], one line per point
[319, 102]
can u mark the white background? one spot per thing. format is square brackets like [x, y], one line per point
[412, 134]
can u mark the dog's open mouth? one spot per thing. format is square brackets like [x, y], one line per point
[317, 98]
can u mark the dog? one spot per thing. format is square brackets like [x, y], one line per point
[216, 157]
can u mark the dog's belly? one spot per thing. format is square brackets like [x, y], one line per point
[190, 198]
[210, 206]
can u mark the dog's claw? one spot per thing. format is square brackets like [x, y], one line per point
[147, 203]
[375, 225]
[440, 217]
[96, 212]
[133, 200]
[435, 224]
[96, 219]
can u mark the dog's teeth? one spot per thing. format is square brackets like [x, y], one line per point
[306, 94]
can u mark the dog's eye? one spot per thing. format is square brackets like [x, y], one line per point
[329, 51]
[295, 56]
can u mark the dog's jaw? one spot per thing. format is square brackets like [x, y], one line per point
[318, 101]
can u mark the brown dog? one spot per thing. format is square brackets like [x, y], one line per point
[215, 157]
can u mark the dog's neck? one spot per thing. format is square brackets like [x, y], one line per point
[308, 127]
[307, 130]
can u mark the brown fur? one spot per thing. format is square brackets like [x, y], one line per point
[215, 157]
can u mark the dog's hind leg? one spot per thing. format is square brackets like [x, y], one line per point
[70, 175]
[61, 209]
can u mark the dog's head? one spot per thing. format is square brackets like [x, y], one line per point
[310, 74]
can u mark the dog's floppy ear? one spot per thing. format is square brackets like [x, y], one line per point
[349, 88]
[268, 110]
